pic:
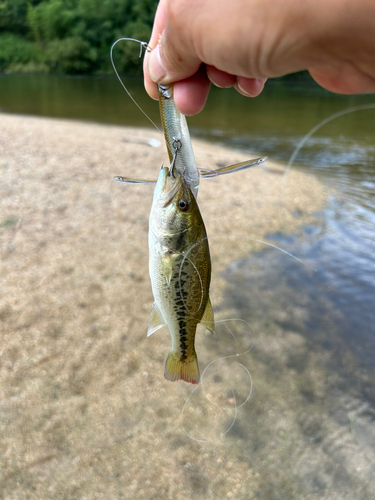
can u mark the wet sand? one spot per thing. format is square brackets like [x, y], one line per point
[85, 411]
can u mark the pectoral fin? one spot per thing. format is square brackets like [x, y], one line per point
[208, 318]
[156, 320]
[167, 268]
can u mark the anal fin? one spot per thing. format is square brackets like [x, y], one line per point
[156, 320]
[208, 317]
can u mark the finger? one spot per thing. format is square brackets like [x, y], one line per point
[249, 87]
[343, 79]
[220, 78]
[158, 28]
[160, 22]
[174, 58]
[150, 86]
[190, 95]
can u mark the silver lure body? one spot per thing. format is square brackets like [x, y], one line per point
[177, 138]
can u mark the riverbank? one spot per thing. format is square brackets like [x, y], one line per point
[86, 412]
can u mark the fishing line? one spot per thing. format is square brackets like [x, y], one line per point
[314, 129]
[206, 378]
[250, 239]
[302, 143]
[235, 339]
[146, 47]
[179, 281]
[221, 408]
[291, 161]
[185, 256]
[228, 357]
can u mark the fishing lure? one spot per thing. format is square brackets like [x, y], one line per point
[177, 139]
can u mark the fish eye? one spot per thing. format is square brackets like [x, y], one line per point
[183, 205]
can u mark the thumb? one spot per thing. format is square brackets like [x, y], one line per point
[168, 64]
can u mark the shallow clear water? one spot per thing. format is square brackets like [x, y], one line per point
[331, 308]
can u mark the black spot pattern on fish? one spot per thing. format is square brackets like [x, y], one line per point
[179, 292]
[182, 325]
[183, 344]
[179, 284]
[180, 307]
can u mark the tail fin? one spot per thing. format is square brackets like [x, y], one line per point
[187, 370]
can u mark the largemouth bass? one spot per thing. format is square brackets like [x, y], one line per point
[180, 272]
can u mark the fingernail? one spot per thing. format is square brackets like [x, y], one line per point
[216, 84]
[258, 84]
[155, 66]
[243, 91]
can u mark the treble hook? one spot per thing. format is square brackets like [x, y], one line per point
[176, 144]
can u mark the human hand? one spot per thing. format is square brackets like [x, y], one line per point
[243, 42]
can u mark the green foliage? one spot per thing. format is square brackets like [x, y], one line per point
[50, 20]
[71, 55]
[17, 50]
[13, 15]
[73, 36]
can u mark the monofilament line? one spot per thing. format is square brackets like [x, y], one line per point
[143, 45]
[330, 118]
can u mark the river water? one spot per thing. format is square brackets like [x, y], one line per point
[338, 299]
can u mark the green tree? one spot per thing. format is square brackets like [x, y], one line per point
[73, 36]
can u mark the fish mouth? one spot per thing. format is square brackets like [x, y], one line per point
[170, 188]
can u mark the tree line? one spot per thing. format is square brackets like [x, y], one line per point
[72, 36]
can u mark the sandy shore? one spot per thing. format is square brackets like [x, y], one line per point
[85, 412]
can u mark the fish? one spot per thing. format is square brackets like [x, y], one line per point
[180, 272]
